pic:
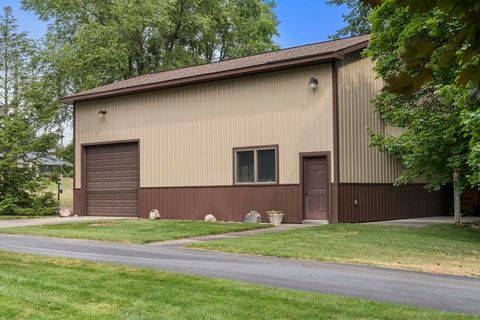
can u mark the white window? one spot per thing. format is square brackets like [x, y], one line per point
[256, 165]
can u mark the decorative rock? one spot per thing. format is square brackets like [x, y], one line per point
[65, 213]
[154, 214]
[253, 217]
[210, 217]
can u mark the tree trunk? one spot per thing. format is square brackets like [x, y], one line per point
[456, 200]
[5, 78]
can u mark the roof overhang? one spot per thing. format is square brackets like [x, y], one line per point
[222, 75]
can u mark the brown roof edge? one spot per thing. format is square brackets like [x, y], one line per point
[239, 72]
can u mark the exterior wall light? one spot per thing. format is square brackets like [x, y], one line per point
[313, 83]
[102, 113]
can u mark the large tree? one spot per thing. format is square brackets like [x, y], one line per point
[91, 43]
[25, 124]
[356, 18]
[428, 53]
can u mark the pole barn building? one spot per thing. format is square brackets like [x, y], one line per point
[284, 130]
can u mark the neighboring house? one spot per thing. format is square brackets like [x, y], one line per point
[45, 164]
[282, 130]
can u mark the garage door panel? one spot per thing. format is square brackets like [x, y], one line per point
[127, 173]
[113, 148]
[121, 210]
[110, 184]
[113, 179]
[123, 170]
[108, 195]
[108, 163]
[96, 199]
[113, 155]
[113, 176]
[122, 203]
[111, 187]
[113, 163]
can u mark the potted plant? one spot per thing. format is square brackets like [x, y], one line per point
[275, 217]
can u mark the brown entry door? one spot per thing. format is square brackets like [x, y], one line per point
[112, 179]
[315, 188]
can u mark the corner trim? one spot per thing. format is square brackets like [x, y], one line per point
[336, 166]
[336, 156]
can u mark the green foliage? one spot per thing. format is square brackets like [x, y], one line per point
[450, 249]
[448, 38]
[91, 43]
[356, 19]
[35, 287]
[24, 125]
[41, 205]
[66, 153]
[137, 231]
[418, 50]
[21, 183]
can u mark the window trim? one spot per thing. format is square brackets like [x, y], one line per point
[255, 149]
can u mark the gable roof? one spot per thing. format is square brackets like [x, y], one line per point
[44, 160]
[259, 63]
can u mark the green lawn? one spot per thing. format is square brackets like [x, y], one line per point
[135, 231]
[66, 198]
[20, 217]
[34, 287]
[446, 249]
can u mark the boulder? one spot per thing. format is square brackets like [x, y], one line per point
[253, 217]
[65, 213]
[209, 217]
[154, 214]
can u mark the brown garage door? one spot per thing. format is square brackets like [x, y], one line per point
[112, 179]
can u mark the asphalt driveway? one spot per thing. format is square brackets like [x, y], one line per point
[412, 288]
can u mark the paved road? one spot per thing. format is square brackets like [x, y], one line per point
[441, 292]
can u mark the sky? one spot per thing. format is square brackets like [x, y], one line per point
[300, 22]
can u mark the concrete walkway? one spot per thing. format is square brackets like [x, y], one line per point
[419, 289]
[180, 243]
[52, 220]
[427, 221]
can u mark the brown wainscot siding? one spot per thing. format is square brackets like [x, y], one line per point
[383, 201]
[226, 203]
[79, 202]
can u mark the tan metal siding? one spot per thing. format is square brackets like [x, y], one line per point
[187, 134]
[358, 162]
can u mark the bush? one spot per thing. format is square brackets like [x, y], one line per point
[8, 205]
[37, 205]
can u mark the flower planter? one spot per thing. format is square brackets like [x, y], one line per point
[275, 217]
